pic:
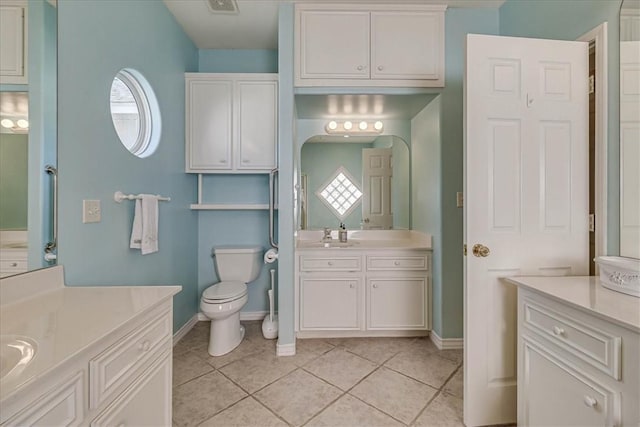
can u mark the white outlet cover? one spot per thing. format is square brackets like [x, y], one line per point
[91, 211]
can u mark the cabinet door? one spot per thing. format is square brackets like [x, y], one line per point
[552, 393]
[333, 45]
[407, 45]
[209, 125]
[397, 303]
[256, 119]
[12, 48]
[146, 403]
[330, 303]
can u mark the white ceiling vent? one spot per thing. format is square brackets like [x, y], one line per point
[223, 6]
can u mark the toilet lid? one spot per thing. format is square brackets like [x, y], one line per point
[224, 290]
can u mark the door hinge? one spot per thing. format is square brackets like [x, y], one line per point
[592, 84]
[464, 249]
[592, 222]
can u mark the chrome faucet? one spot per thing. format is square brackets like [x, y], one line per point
[327, 235]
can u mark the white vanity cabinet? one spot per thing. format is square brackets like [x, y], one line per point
[362, 293]
[575, 367]
[372, 45]
[123, 379]
[231, 122]
[13, 42]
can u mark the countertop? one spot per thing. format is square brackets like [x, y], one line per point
[365, 240]
[587, 294]
[67, 320]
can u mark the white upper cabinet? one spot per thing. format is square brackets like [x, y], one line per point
[231, 122]
[13, 42]
[369, 45]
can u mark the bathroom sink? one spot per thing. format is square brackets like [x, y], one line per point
[16, 352]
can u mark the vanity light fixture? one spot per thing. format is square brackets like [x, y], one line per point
[347, 127]
[7, 123]
[19, 126]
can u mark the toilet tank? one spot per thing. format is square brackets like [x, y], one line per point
[238, 263]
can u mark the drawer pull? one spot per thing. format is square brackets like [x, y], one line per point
[375, 286]
[14, 264]
[590, 401]
[144, 346]
[558, 331]
[330, 263]
[396, 263]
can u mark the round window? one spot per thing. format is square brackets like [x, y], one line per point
[135, 112]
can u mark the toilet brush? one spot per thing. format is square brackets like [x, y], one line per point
[270, 322]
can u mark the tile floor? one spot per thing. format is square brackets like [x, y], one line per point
[329, 382]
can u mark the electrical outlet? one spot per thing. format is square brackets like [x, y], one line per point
[459, 199]
[91, 211]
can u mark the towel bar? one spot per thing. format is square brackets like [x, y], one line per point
[119, 196]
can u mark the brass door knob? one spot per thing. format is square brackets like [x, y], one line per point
[480, 250]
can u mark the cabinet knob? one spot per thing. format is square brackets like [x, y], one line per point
[590, 401]
[380, 68]
[245, 161]
[351, 285]
[396, 263]
[558, 331]
[329, 262]
[14, 264]
[144, 346]
[360, 67]
[223, 161]
[375, 286]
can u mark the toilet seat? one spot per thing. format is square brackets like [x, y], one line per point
[224, 292]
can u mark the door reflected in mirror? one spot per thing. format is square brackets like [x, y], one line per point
[363, 182]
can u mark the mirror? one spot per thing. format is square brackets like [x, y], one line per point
[27, 144]
[327, 203]
[630, 129]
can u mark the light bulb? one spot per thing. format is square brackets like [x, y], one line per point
[23, 124]
[378, 125]
[348, 125]
[6, 123]
[363, 125]
[332, 125]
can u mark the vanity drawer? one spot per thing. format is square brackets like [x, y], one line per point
[577, 335]
[318, 263]
[13, 266]
[403, 262]
[114, 367]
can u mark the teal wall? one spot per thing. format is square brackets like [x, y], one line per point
[42, 74]
[319, 162]
[13, 181]
[96, 39]
[568, 20]
[238, 61]
[220, 228]
[425, 177]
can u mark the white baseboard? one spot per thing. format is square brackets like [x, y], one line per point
[286, 349]
[244, 315]
[446, 343]
[184, 330]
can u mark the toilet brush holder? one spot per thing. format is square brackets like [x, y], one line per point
[270, 322]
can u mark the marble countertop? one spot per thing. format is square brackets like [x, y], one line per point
[365, 240]
[587, 294]
[67, 320]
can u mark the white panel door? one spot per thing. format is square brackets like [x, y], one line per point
[256, 113]
[526, 197]
[630, 149]
[407, 45]
[377, 171]
[334, 44]
[209, 127]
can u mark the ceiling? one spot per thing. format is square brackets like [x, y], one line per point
[255, 26]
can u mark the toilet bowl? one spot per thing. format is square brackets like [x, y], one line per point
[222, 302]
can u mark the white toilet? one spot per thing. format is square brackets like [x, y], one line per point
[221, 302]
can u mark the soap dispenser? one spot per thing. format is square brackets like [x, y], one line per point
[342, 233]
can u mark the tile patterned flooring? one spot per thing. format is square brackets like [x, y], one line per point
[329, 382]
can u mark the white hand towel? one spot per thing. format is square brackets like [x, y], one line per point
[136, 230]
[144, 233]
[149, 224]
